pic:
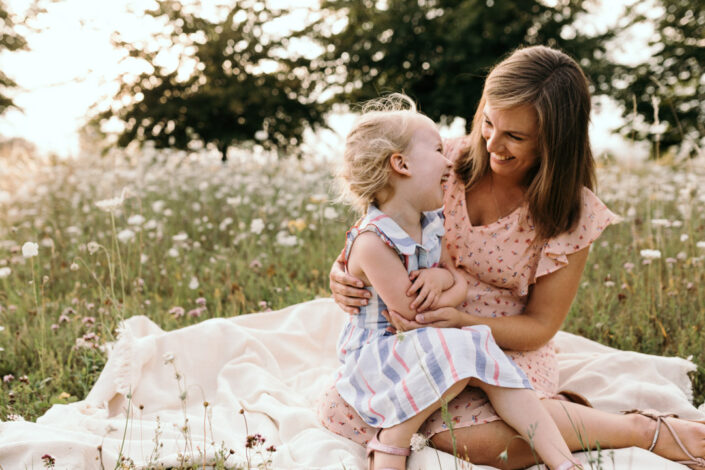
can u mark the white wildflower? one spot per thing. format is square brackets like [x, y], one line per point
[173, 253]
[330, 213]
[418, 442]
[257, 226]
[73, 267]
[126, 235]
[2, 328]
[650, 254]
[4, 272]
[136, 219]
[47, 243]
[284, 239]
[631, 212]
[660, 223]
[180, 237]
[701, 244]
[110, 205]
[234, 201]
[30, 249]
[158, 206]
[143, 258]
[684, 237]
[193, 285]
[92, 247]
[151, 224]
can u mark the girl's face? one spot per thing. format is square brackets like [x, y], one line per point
[429, 168]
[511, 136]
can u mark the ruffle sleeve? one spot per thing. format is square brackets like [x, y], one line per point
[594, 219]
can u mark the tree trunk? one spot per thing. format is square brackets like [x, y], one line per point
[223, 149]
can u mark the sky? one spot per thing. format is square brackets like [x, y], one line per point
[71, 65]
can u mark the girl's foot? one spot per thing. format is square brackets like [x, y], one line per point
[381, 456]
[676, 439]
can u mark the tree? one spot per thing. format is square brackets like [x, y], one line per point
[439, 51]
[241, 85]
[10, 40]
[664, 98]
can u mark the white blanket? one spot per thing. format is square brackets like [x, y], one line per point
[274, 365]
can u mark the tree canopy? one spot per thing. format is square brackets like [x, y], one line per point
[241, 84]
[10, 40]
[439, 51]
[664, 98]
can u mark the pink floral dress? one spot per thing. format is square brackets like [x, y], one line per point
[500, 262]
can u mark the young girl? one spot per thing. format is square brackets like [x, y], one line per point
[394, 170]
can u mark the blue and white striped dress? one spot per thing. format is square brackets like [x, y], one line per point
[388, 378]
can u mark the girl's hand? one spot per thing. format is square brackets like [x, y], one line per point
[444, 317]
[428, 284]
[348, 291]
[399, 323]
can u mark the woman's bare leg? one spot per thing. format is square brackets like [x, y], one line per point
[581, 427]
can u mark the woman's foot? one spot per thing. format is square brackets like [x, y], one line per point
[674, 438]
[387, 451]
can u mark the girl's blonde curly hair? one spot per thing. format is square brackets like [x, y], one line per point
[384, 128]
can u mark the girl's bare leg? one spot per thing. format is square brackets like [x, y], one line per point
[400, 435]
[581, 427]
[522, 410]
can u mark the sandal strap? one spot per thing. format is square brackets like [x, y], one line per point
[661, 418]
[568, 465]
[693, 460]
[376, 446]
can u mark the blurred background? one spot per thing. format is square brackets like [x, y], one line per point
[78, 76]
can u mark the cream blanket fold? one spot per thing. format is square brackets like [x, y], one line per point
[273, 366]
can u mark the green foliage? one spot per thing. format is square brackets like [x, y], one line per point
[10, 40]
[667, 92]
[439, 51]
[242, 86]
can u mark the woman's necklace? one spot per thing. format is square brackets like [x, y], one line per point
[500, 213]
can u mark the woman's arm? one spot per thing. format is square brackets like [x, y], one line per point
[549, 302]
[348, 291]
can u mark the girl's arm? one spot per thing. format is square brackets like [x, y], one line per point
[454, 292]
[372, 259]
[549, 302]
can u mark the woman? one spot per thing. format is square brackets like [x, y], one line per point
[520, 218]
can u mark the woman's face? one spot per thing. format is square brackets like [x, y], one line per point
[511, 136]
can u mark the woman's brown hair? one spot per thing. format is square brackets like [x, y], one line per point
[556, 87]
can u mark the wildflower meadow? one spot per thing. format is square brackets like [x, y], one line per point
[181, 237]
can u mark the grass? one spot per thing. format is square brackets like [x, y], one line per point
[252, 236]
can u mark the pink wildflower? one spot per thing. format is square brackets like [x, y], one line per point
[201, 302]
[196, 312]
[88, 321]
[255, 264]
[54, 327]
[177, 312]
[63, 318]
[8, 378]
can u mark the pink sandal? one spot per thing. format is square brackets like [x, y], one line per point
[376, 446]
[661, 418]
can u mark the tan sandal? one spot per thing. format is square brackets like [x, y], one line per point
[376, 446]
[661, 418]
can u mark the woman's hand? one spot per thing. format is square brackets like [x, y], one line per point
[444, 317]
[348, 291]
